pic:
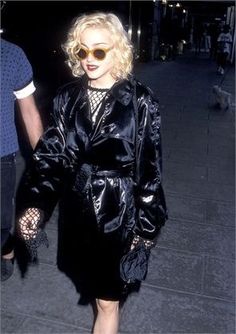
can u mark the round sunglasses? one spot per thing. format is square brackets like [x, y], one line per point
[97, 53]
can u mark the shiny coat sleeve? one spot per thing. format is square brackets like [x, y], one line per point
[43, 180]
[151, 205]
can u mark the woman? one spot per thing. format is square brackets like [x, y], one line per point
[107, 178]
[224, 41]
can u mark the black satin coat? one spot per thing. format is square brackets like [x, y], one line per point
[107, 184]
[98, 162]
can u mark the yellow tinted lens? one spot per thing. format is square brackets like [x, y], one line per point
[82, 54]
[99, 54]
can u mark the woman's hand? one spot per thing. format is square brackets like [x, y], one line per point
[29, 223]
[31, 231]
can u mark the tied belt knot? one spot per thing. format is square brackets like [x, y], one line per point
[87, 171]
[123, 172]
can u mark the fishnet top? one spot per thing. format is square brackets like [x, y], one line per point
[96, 97]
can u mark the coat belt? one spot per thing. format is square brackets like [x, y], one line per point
[126, 172]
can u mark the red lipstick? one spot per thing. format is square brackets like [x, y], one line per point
[92, 67]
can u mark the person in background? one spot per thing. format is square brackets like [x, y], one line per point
[109, 188]
[214, 31]
[198, 37]
[16, 84]
[207, 37]
[224, 42]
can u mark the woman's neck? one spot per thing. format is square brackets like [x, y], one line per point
[96, 83]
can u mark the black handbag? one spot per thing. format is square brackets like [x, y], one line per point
[134, 263]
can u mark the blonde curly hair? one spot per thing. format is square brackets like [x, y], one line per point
[123, 50]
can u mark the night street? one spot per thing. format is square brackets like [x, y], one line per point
[190, 285]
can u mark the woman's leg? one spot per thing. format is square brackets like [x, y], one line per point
[107, 321]
[224, 60]
[219, 59]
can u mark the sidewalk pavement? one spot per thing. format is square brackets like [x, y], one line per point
[190, 285]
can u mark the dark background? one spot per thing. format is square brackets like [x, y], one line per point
[40, 28]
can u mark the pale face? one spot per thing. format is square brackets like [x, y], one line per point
[98, 71]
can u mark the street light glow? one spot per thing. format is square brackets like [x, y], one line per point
[130, 32]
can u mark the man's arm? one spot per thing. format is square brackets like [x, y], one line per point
[31, 118]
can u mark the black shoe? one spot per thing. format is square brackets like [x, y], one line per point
[7, 268]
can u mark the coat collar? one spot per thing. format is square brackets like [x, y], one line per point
[122, 90]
